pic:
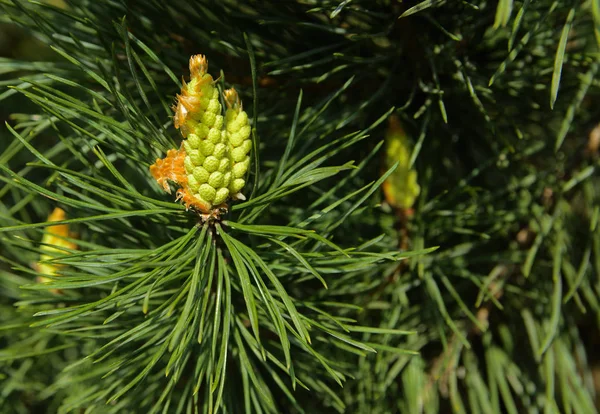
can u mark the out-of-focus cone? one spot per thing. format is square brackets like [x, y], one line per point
[54, 242]
[401, 188]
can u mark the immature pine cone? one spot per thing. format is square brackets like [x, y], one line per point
[213, 159]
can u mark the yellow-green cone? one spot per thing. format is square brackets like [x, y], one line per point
[216, 148]
[237, 130]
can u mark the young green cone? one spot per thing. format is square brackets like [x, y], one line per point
[215, 150]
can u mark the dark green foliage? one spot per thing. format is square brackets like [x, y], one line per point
[313, 295]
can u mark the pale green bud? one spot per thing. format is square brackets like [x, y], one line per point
[224, 165]
[238, 154]
[237, 185]
[232, 126]
[193, 140]
[208, 119]
[216, 179]
[201, 130]
[214, 135]
[246, 146]
[201, 174]
[221, 196]
[235, 139]
[245, 131]
[220, 151]
[239, 170]
[242, 118]
[196, 157]
[211, 164]
[207, 192]
[214, 106]
[207, 148]
[226, 179]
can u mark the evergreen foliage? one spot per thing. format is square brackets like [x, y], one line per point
[313, 295]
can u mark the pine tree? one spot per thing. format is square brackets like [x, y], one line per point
[420, 225]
